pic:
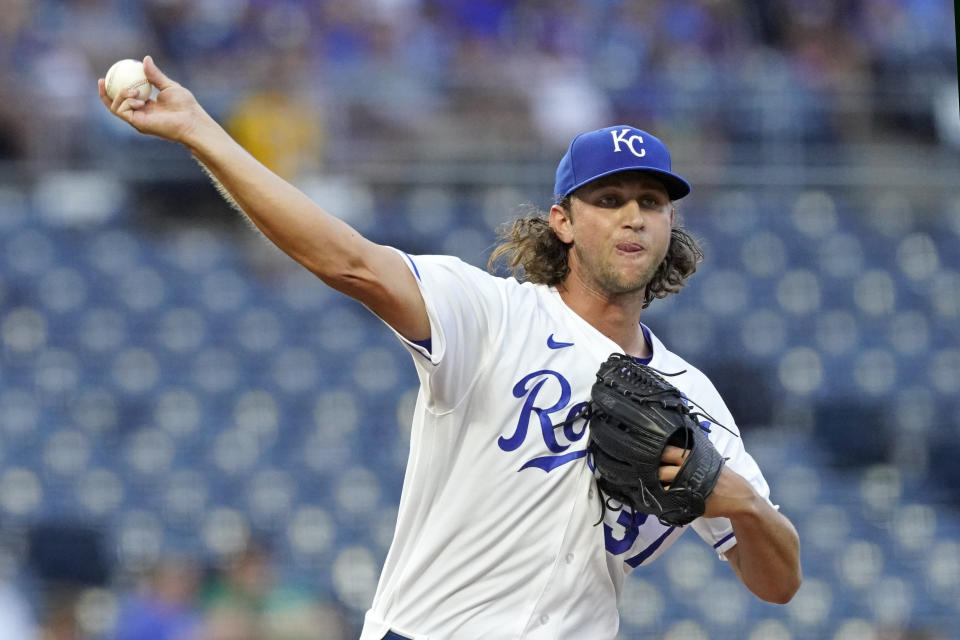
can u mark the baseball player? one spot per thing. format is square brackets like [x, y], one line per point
[502, 532]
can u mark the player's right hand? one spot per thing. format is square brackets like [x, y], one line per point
[173, 114]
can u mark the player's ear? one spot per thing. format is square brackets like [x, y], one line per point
[561, 222]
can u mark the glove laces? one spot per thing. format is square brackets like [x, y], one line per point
[700, 413]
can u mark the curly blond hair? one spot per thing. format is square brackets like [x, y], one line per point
[532, 252]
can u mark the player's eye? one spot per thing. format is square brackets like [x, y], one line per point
[608, 200]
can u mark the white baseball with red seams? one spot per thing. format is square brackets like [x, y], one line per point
[127, 74]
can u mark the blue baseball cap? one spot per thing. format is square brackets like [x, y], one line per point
[603, 152]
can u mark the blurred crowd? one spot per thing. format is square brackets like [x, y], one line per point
[176, 599]
[297, 79]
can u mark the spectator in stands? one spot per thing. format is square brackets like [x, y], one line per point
[162, 608]
[279, 123]
[59, 620]
[244, 602]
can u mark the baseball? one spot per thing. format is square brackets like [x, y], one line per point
[127, 74]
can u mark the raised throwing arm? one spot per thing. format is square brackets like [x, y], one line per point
[372, 274]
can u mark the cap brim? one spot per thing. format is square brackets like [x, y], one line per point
[676, 186]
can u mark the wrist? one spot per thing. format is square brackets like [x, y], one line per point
[733, 497]
[197, 137]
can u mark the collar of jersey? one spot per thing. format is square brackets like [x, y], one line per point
[647, 334]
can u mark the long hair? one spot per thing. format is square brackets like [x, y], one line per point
[532, 252]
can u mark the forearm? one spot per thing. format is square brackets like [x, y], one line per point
[767, 554]
[321, 242]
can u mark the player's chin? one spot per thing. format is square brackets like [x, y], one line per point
[635, 274]
[626, 283]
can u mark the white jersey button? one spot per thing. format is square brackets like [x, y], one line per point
[590, 494]
[544, 619]
[569, 558]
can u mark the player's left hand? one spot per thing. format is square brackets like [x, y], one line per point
[731, 495]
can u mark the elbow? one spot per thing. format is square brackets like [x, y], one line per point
[786, 590]
[350, 276]
[352, 283]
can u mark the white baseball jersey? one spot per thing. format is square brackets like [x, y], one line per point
[497, 534]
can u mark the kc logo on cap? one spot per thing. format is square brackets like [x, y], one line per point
[610, 150]
[622, 137]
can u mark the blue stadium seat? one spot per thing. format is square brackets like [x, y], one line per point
[430, 212]
[840, 256]
[764, 254]
[764, 332]
[725, 292]
[643, 603]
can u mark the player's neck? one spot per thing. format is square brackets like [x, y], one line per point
[617, 317]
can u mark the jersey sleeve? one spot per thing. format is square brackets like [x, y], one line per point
[466, 307]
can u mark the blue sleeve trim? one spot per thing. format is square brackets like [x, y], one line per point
[426, 344]
[639, 559]
[722, 540]
[413, 264]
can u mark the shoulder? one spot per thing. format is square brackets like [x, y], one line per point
[433, 269]
[693, 382]
[435, 265]
[421, 264]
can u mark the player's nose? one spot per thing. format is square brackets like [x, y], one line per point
[632, 215]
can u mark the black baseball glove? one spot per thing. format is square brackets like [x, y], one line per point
[634, 414]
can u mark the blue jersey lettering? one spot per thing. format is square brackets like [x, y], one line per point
[538, 408]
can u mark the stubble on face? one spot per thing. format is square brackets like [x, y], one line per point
[602, 276]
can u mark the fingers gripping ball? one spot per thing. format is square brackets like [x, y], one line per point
[127, 74]
[634, 415]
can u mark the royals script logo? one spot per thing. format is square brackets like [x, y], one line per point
[546, 405]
